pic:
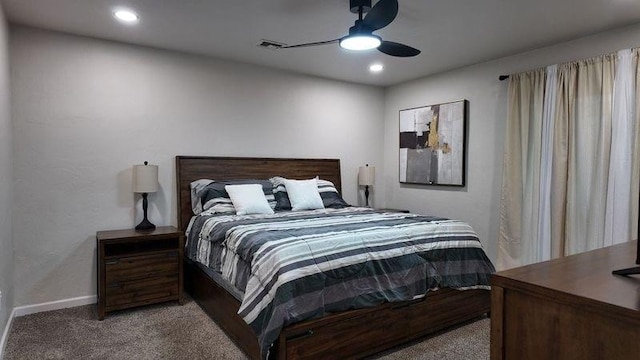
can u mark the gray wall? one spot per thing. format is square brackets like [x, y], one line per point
[6, 181]
[86, 110]
[479, 202]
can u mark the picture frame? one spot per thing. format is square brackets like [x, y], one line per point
[433, 144]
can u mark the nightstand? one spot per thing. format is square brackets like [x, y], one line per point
[394, 210]
[138, 268]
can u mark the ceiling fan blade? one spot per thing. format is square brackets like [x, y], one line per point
[397, 49]
[381, 14]
[309, 44]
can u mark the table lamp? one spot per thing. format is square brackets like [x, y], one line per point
[145, 181]
[366, 178]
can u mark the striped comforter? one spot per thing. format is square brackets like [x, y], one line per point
[294, 266]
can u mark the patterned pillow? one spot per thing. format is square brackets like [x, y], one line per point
[328, 192]
[196, 191]
[215, 197]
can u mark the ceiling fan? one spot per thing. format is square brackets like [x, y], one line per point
[361, 35]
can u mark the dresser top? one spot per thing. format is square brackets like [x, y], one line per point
[586, 277]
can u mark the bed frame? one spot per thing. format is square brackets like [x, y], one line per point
[349, 334]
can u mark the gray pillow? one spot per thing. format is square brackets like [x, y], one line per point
[328, 192]
[214, 196]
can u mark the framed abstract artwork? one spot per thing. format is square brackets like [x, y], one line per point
[432, 144]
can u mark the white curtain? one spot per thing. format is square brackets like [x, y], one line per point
[570, 162]
[521, 179]
[546, 165]
[589, 141]
[617, 224]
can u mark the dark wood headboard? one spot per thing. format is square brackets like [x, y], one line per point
[191, 168]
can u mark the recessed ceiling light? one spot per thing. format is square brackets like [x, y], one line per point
[376, 68]
[126, 16]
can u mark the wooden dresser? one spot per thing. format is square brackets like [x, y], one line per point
[138, 268]
[570, 308]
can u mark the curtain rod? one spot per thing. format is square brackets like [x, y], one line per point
[505, 77]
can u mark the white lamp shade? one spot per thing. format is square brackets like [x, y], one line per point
[366, 175]
[145, 178]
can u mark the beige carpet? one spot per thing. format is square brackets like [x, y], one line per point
[170, 331]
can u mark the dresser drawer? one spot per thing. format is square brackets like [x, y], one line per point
[323, 341]
[133, 291]
[142, 266]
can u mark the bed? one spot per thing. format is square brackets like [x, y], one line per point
[352, 333]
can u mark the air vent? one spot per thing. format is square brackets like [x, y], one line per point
[271, 45]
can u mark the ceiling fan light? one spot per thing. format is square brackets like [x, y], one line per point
[360, 42]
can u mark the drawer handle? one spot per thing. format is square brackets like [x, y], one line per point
[112, 262]
[300, 335]
[113, 285]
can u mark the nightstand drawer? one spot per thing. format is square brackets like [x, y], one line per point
[127, 292]
[132, 267]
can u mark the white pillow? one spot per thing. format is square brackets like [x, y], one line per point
[303, 194]
[248, 199]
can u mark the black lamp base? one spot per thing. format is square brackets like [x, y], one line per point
[366, 195]
[145, 225]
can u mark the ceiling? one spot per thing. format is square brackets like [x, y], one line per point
[450, 33]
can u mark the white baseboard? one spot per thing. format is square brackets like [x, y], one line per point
[5, 333]
[55, 305]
